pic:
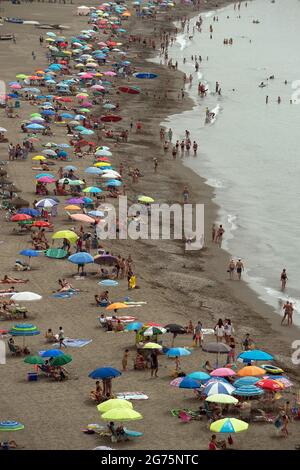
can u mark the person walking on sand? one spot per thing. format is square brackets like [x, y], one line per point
[283, 279]
[153, 364]
[198, 334]
[125, 360]
[185, 194]
[239, 269]
[231, 269]
[219, 235]
[155, 162]
[286, 308]
[61, 337]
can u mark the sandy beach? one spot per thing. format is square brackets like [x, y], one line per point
[177, 286]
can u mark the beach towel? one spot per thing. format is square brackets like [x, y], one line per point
[134, 304]
[123, 319]
[57, 253]
[132, 395]
[74, 343]
[65, 295]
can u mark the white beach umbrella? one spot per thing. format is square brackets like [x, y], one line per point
[25, 297]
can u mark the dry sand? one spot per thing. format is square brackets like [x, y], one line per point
[177, 286]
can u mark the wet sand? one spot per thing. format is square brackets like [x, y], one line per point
[177, 286]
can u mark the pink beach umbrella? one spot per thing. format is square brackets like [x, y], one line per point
[46, 179]
[87, 76]
[87, 104]
[222, 372]
[98, 87]
[16, 86]
[82, 218]
[109, 73]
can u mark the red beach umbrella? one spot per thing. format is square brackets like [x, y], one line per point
[130, 90]
[110, 118]
[40, 223]
[20, 217]
[269, 384]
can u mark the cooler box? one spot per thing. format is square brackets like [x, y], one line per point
[32, 376]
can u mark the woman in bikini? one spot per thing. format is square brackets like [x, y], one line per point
[12, 280]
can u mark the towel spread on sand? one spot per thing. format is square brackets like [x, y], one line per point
[132, 395]
[71, 343]
[65, 295]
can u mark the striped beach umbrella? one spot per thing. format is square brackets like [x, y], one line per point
[218, 387]
[248, 391]
[8, 426]
[229, 425]
[24, 329]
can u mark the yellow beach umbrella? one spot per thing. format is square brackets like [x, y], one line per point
[222, 398]
[68, 234]
[114, 403]
[102, 164]
[121, 414]
[146, 199]
[72, 207]
[39, 158]
[152, 346]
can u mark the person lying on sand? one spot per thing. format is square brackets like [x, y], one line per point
[7, 291]
[12, 280]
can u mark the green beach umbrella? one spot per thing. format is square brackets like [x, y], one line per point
[9, 426]
[61, 360]
[34, 360]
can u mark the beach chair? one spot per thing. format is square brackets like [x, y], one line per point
[14, 351]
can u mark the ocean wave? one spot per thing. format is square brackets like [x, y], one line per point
[214, 183]
[283, 297]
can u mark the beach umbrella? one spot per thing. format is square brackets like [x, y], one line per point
[116, 305]
[9, 426]
[92, 190]
[61, 360]
[25, 297]
[113, 183]
[110, 118]
[46, 203]
[245, 381]
[46, 180]
[104, 373]
[214, 387]
[154, 331]
[39, 158]
[178, 352]
[222, 398]
[96, 213]
[52, 353]
[175, 329]
[222, 372]
[152, 346]
[270, 385]
[108, 283]
[185, 382]
[103, 153]
[70, 168]
[75, 200]
[72, 207]
[114, 403]
[34, 360]
[255, 355]
[82, 218]
[248, 391]
[36, 127]
[145, 199]
[135, 326]
[24, 330]
[108, 260]
[218, 348]
[121, 414]
[199, 375]
[251, 371]
[68, 234]
[92, 170]
[81, 258]
[20, 217]
[50, 153]
[29, 253]
[40, 175]
[229, 425]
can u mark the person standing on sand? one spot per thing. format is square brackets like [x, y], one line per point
[185, 194]
[290, 314]
[286, 308]
[154, 364]
[125, 360]
[239, 269]
[61, 337]
[155, 162]
[213, 232]
[231, 269]
[283, 279]
[198, 334]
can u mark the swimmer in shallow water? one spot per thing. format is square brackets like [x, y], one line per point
[262, 85]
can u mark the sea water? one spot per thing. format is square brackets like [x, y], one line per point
[250, 153]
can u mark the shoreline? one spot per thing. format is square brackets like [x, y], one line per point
[178, 286]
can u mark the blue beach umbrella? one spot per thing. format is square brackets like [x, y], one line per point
[52, 353]
[8, 426]
[135, 326]
[189, 383]
[214, 388]
[104, 373]
[48, 112]
[114, 183]
[255, 355]
[41, 175]
[29, 253]
[70, 168]
[87, 200]
[248, 391]
[108, 283]
[96, 214]
[93, 170]
[245, 381]
[81, 258]
[201, 376]
[28, 211]
[36, 127]
[173, 352]
[67, 116]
